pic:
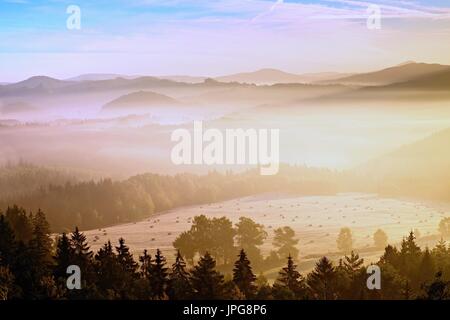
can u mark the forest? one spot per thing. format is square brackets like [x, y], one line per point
[103, 202]
[33, 265]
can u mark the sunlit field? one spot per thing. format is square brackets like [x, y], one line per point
[316, 220]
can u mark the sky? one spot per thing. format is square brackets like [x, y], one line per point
[217, 37]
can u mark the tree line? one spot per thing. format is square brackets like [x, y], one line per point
[34, 266]
[94, 204]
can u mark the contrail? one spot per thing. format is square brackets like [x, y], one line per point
[278, 2]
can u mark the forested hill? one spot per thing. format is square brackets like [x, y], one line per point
[106, 202]
[23, 178]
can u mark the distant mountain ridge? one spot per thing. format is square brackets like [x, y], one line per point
[401, 73]
[100, 76]
[38, 81]
[274, 76]
[407, 75]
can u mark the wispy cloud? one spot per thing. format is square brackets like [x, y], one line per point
[219, 36]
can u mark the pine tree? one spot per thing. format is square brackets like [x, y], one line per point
[125, 259]
[409, 246]
[322, 280]
[353, 263]
[243, 276]
[352, 280]
[109, 272]
[39, 256]
[64, 256]
[127, 284]
[290, 282]
[207, 283]
[41, 241]
[410, 255]
[146, 264]
[82, 255]
[179, 284]
[158, 276]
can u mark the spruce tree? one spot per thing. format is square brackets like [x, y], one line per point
[410, 255]
[146, 264]
[207, 283]
[352, 281]
[179, 284]
[64, 256]
[108, 272]
[322, 280]
[353, 263]
[243, 276]
[125, 259]
[41, 243]
[158, 276]
[39, 257]
[290, 284]
[128, 282]
[82, 255]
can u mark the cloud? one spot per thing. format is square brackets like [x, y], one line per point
[220, 36]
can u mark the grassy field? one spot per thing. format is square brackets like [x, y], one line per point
[315, 219]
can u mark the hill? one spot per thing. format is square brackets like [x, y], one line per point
[400, 73]
[274, 76]
[141, 99]
[420, 169]
[435, 81]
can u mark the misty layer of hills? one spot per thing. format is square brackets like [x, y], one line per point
[90, 93]
[120, 125]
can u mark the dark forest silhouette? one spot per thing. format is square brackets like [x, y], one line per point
[33, 266]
